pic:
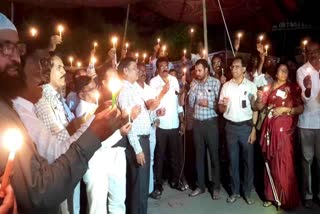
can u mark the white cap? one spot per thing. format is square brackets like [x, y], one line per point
[6, 24]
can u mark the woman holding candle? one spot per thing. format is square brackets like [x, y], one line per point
[283, 102]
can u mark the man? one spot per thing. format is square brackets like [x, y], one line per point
[203, 96]
[53, 111]
[40, 187]
[218, 69]
[148, 95]
[106, 177]
[138, 153]
[309, 120]
[168, 133]
[235, 104]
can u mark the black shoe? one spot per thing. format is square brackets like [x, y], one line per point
[216, 194]
[196, 192]
[249, 200]
[156, 194]
[180, 186]
[232, 198]
[308, 204]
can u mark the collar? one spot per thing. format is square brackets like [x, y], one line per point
[126, 83]
[86, 104]
[244, 81]
[24, 103]
[49, 90]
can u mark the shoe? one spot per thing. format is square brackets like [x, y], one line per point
[156, 194]
[308, 204]
[180, 186]
[249, 200]
[216, 195]
[196, 192]
[267, 203]
[233, 198]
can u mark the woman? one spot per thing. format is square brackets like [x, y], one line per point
[282, 100]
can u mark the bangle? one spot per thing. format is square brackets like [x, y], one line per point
[290, 112]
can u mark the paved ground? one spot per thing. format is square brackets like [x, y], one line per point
[175, 202]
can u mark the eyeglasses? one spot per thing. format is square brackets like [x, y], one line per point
[8, 48]
[163, 66]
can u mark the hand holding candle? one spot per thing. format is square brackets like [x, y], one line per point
[12, 140]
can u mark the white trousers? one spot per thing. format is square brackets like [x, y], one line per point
[152, 140]
[106, 181]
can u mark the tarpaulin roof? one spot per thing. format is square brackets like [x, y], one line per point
[190, 11]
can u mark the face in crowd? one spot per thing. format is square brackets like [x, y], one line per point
[237, 69]
[282, 73]
[131, 72]
[163, 70]
[142, 73]
[58, 74]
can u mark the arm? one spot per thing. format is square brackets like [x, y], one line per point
[223, 100]
[306, 91]
[192, 93]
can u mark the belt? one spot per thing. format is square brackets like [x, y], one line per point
[143, 136]
[246, 122]
[205, 120]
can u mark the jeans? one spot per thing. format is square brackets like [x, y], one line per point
[241, 151]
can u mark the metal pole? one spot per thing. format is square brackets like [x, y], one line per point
[12, 12]
[205, 32]
[125, 27]
[226, 27]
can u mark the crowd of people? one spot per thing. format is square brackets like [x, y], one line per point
[121, 144]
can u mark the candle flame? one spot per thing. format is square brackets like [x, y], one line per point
[33, 31]
[158, 40]
[79, 64]
[95, 44]
[71, 59]
[114, 85]
[137, 55]
[305, 42]
[12, 139]
[93, 59]
[191, 30]
[164, 48]
[97, 95]
[239, 35]
[60, 28]
[185, 51]
[261, 37]
[184, 70]
[266, 47]
[114, 40]
[127, 45]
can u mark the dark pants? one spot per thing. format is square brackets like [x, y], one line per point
[310, 144]
[138, 179]
[168, 139]
[205, 134]
[240, 151]
[190, 159]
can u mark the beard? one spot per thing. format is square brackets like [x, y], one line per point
[11, 85]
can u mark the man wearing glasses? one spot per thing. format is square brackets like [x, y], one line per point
[168, 132]
[235, 104]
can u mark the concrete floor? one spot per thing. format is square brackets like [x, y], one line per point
[175, 202]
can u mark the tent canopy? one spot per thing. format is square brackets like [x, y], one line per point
[263, 12]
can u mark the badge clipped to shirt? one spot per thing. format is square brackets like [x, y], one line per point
[281, 94]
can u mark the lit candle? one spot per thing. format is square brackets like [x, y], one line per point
[304, 42]
[191, 31]
[33, 32]
[261, 37]
[266, 47]
[114, 41]
[93, 60]
[184, 52]
[71, 60]
[95, 44]
[12, 140]
[79, 64]
[144, 57]
[164, 48]
[60, 30]
[114, 86]
[184, 70]
[158, 41]
[127, 46]
[137, 57]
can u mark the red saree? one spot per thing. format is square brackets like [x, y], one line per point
[280, 151]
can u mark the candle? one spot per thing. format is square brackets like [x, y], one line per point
[158, 41]
[60, 30]
[266, 47]
[127, 45]
[144, 57]
[12, 140]
[261, 38]
[71, 60]
[129, 114]
[184, 52]
[184, 70]
[79, 64]
[97, 95]
[114, 41]
[95, 44]
[137, 57]
[191, 31]
[204, 53]
[93, 60]
[164, 48]
[304, 42]
[33, 32]
[114, 86]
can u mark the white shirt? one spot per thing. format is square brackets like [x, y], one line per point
[259, 80]
[84, 108]
[238, 95]
[147, 92]
[310, 118]
[170, 102]
[47, 144]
